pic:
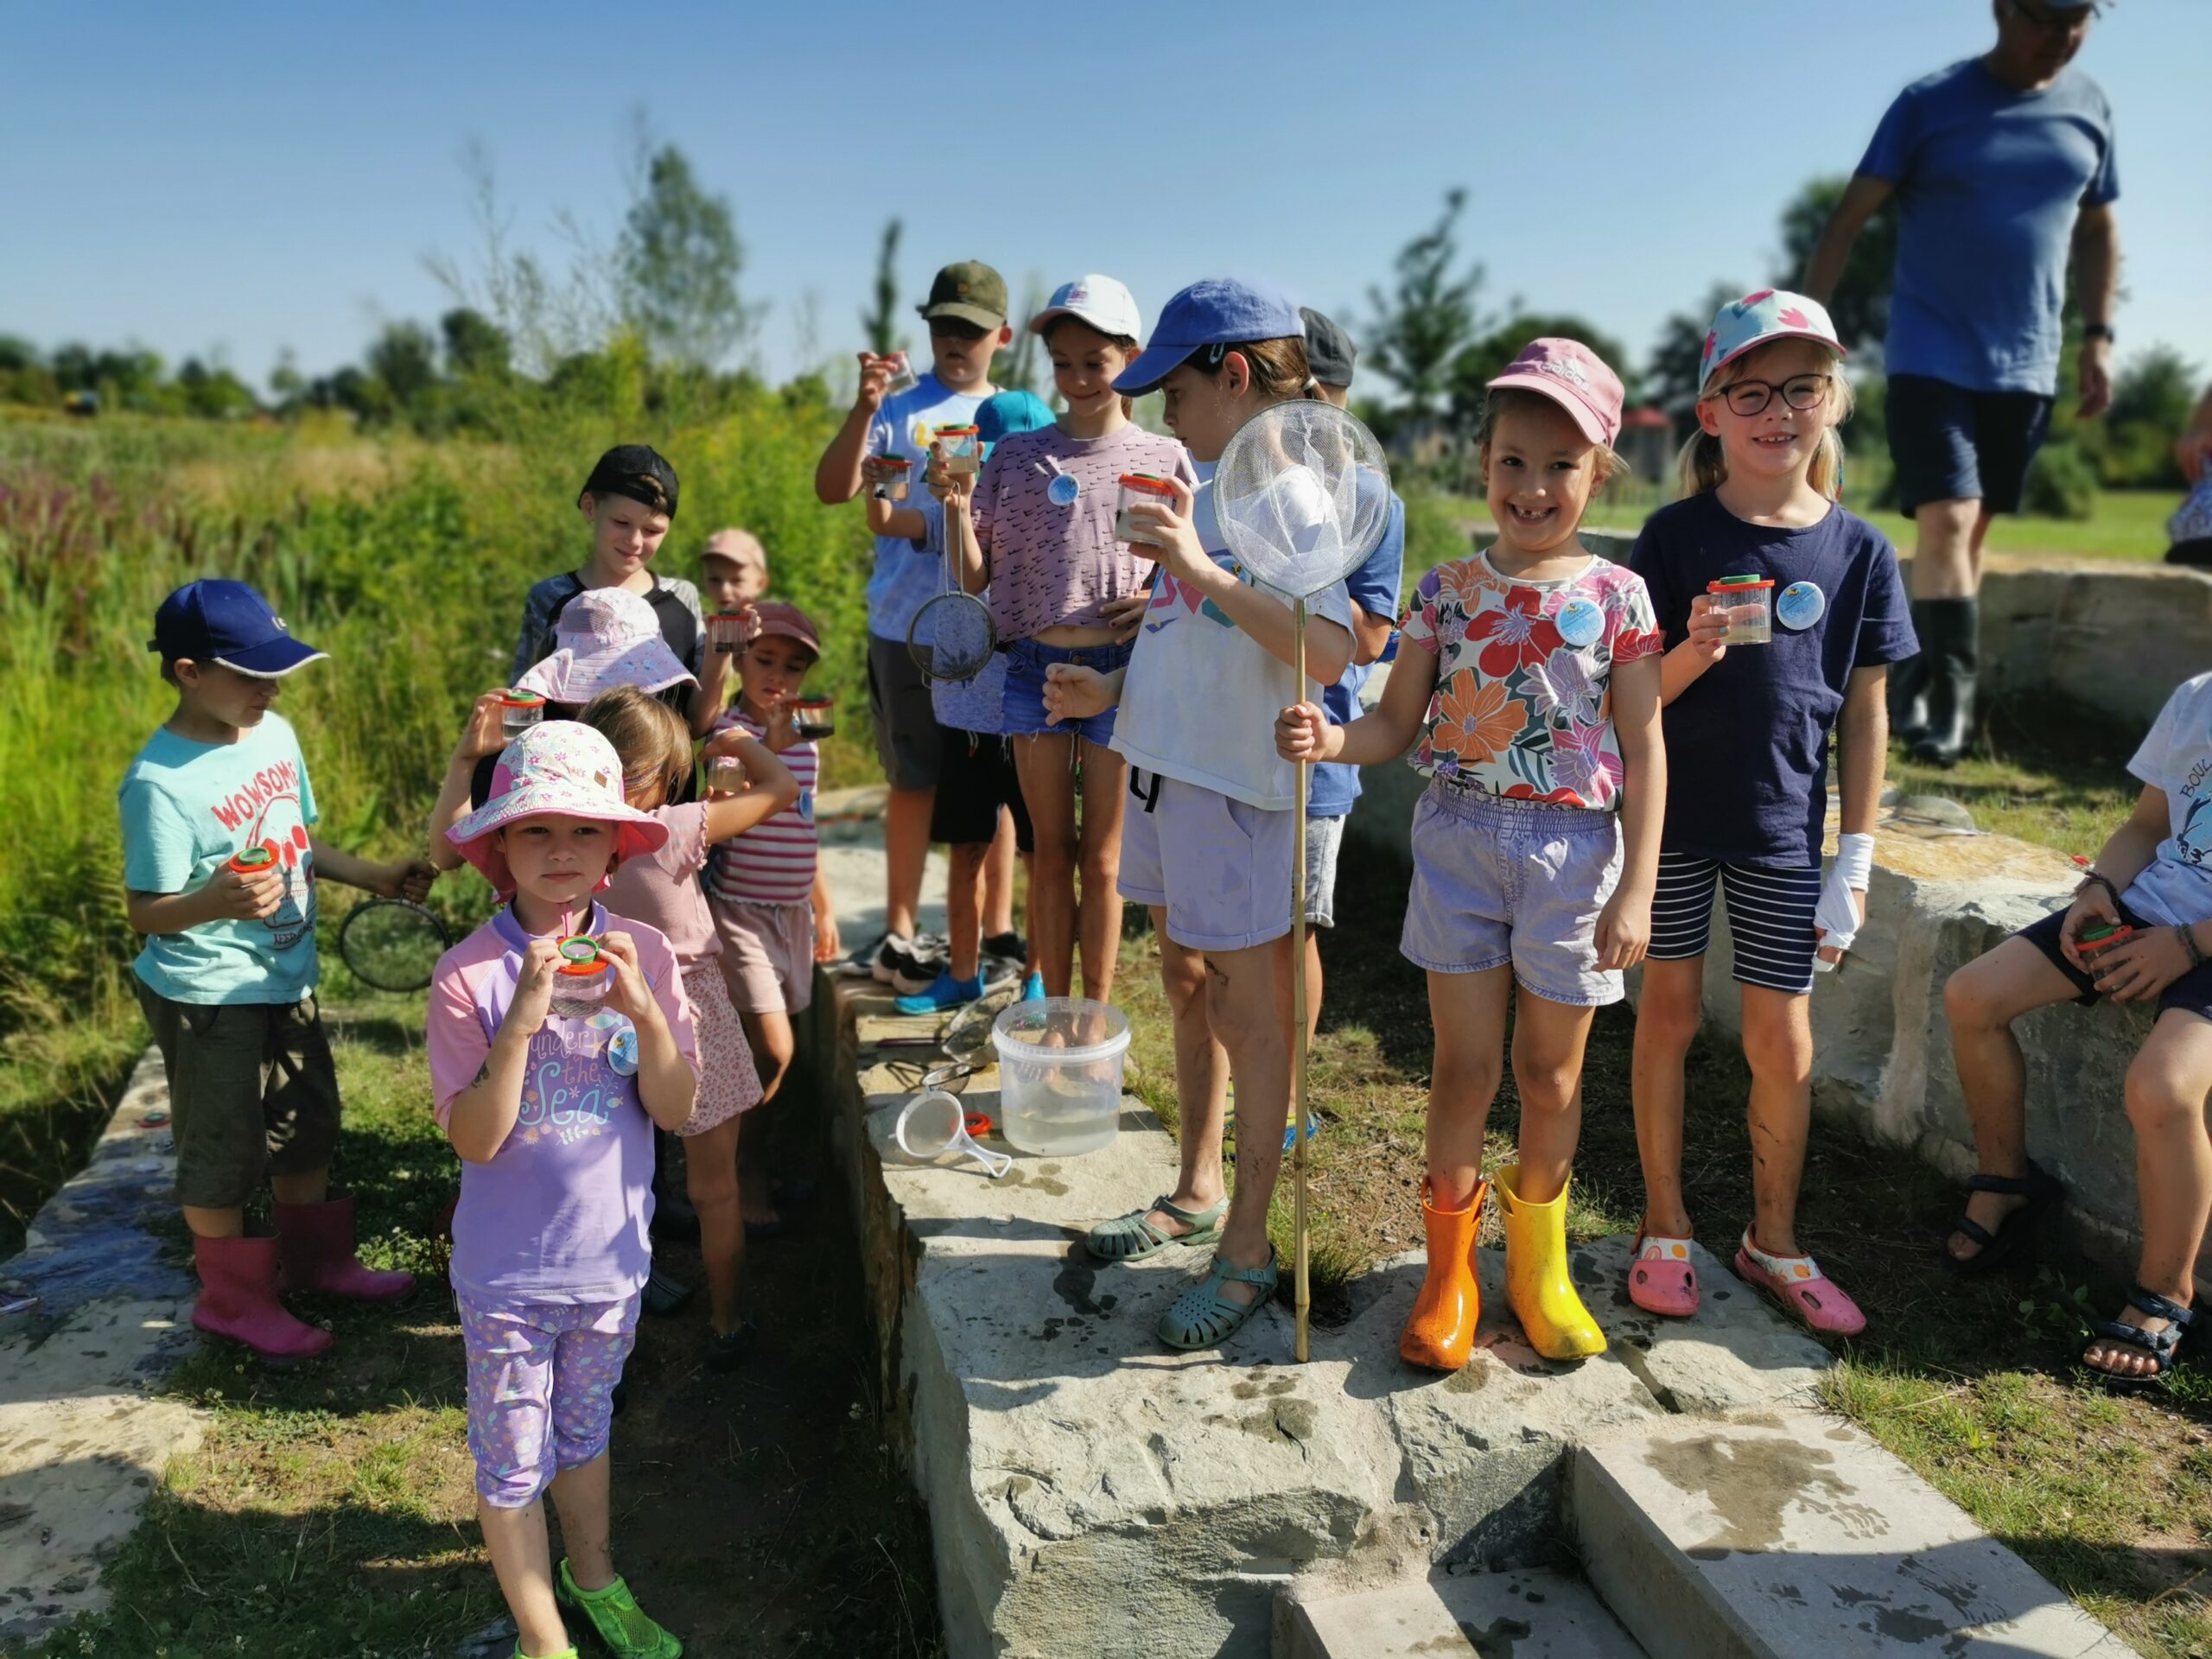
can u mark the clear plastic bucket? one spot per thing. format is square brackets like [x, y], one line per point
[1060, 1074]
[892, 478]
[518, 712]
[1136, 489]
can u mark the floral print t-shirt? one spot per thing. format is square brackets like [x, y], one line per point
[1524, 704]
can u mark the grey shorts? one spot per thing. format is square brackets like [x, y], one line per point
[1227, 885]
[908, 740]
[767, 956]
[1323, 836]
[1507, 881]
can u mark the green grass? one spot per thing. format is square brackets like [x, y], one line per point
[2043, 769]
[1974, 1385]
[329, 1512]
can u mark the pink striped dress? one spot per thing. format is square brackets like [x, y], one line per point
[773, 863]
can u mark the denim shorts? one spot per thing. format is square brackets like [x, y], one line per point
[1498, 881]
[1025, 662]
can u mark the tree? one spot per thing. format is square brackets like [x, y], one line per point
[679, 260]
[1428, 317]
[1859, 308]
[17, 352]
[405, 358]
[2152, 397]
[1483, 360]
[880, 322]
[1670, 379]
[475, 344]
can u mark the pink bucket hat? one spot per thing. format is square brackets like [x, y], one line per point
[607, 637]
[1573, 377]
[558, 766]
[1771, 313]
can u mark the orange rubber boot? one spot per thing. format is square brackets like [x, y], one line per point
[1441, 1331]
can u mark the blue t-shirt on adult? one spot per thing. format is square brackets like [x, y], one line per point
[1989, 182]
[1374, 588]
[901, 584]
[1747, 742]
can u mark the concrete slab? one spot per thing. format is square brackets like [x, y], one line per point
[1528, 1612]
[1770, 1534]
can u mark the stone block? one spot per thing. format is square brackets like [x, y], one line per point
[1528, 1612]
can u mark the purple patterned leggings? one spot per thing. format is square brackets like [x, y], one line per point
[541, 1389]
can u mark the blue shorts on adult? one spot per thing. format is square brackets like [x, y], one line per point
[2192, 992]
[1950, 444]
[1026, 661]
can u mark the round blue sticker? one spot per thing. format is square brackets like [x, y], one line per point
[622, 1050]
[1580, 622]
[1802, 604]
[1062, 490]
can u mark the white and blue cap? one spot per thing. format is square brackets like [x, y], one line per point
[1105, 304]
[212, 620]
[1208, 317]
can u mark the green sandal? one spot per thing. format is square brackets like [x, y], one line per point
[621, 1625]
[1203, 1317]
[1135, 1236]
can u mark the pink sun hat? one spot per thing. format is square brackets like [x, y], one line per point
[1771, 313]
[1573, 377]
[605, 637]
[561, 767]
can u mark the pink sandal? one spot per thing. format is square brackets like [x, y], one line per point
[1798, 1284]
[1660, 1277]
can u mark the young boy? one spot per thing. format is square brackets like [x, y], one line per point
[966, 313]
[732, 568]
[629, 501]
[220, 865]
[2153, 878]
[770, 901]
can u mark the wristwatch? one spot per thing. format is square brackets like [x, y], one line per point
[2099, 330]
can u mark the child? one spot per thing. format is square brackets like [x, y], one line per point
[664, 891]
[1534, 695]
[2152, 877]
[1210, 669]
[629, 501]
[1037, 526]
[228, 973]
[732, 568]
[966, 313]
[551, 1106]
[1373, 589]
[765, 887]
[1748, 726]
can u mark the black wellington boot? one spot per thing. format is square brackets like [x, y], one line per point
[1952, 648]
[1908, 685]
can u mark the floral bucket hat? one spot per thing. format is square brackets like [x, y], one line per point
[1771, 313]
[559, 768]
[605, 637]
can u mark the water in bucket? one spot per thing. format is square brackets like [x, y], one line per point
[1060, 1074]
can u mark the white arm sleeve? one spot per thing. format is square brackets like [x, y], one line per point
[1853, 869]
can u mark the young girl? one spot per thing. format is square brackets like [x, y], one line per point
[1206, 842]
[664, 891]
[1535, 694]
[1748, 722]
[1037, 532]
[551, 1106]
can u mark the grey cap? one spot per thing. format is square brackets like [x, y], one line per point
[1329, 350]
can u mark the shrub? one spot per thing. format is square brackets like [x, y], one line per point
[2060, 484]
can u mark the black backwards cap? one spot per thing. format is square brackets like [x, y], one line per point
[638, 471]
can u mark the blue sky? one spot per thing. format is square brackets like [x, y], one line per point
[245, 177]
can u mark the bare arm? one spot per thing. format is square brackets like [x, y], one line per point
[1684, 665]
[481, 733]
[1863, 749]
[1643, 762]
[712, 695]
[2096, 281]
[228, 895]
[771, 786]
[1862, 198]
[1371, 635]
[2128, 852]
[411, 876]
[837, 475]
[1384, 733]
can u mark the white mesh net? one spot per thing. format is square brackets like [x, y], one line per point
[1302, 495]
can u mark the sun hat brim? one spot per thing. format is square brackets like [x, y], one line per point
[636, 835]
[577, 677]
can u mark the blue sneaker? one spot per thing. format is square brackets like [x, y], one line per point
[1032, 988]
[944, 992]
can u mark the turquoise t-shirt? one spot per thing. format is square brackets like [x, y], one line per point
[188, 809]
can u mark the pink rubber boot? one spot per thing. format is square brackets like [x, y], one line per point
[316, 1244]
[237, 1300]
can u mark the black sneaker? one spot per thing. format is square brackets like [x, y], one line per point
[904, 965]
[1012, 946]
[665, 1294]
[725, 1351]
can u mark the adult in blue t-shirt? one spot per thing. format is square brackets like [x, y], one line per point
[1374, 590]
[2001, 166]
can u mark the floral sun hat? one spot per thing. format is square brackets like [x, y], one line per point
[1771, 313]
[559, 767]
[605, 637]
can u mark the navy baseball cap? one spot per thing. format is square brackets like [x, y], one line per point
[1218, 312]
[1005, 413]
[215, 621]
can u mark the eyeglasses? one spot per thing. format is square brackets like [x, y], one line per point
[1799, 391]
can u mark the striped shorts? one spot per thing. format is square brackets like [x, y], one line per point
[1769, 913]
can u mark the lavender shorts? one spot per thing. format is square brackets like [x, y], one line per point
[1498, 881]
[1227, 886]
[541, 1389]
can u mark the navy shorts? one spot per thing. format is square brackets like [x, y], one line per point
[1950, 444]
[2192, 992]
[1770, 912]
[976, 777]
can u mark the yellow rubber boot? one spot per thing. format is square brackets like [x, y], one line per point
[1536, 1282]
[1441, 1331]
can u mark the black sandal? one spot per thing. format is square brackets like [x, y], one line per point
[2015, 1233]
[2163, 1346]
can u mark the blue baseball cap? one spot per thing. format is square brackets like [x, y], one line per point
[1005, 413]
[215, 621]
[1218, 312]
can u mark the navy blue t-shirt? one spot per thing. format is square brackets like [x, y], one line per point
[1374, 588]
[1747, 744]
